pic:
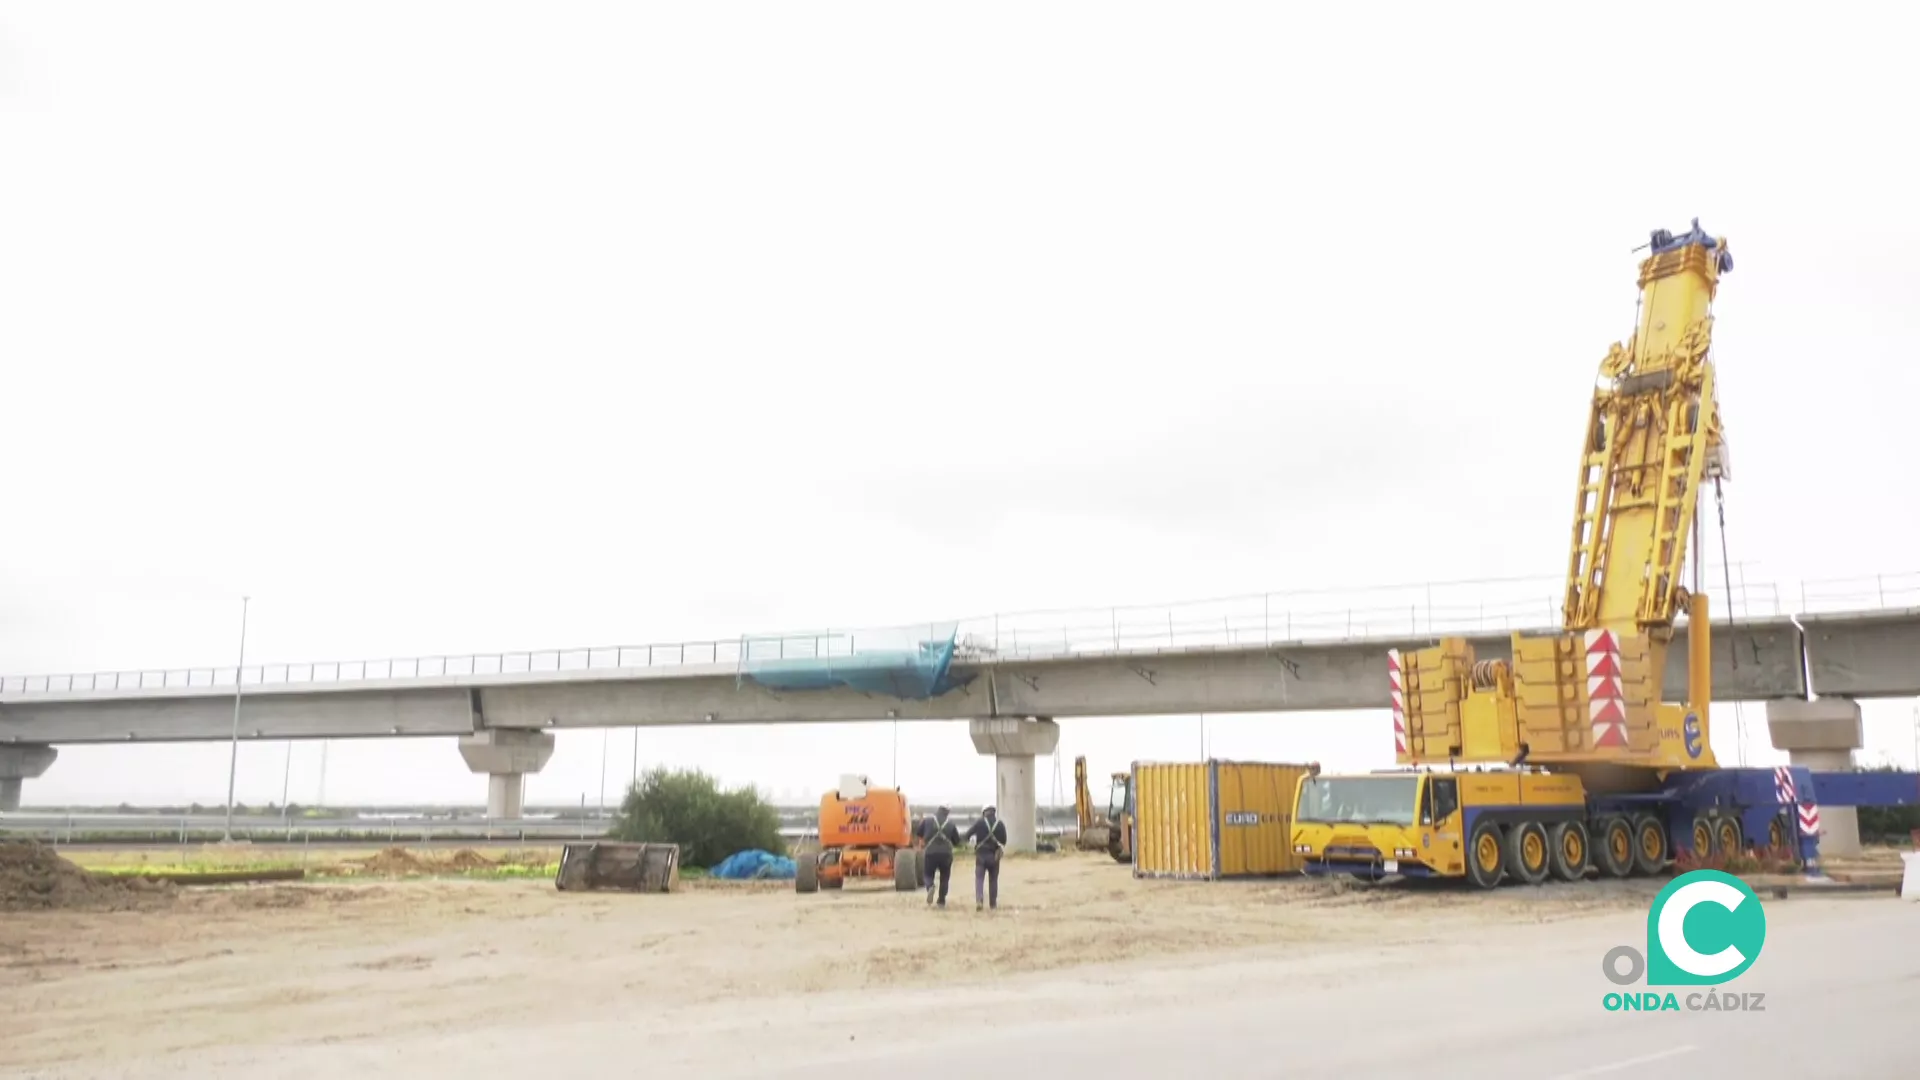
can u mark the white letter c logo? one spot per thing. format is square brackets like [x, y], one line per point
[1672, 928]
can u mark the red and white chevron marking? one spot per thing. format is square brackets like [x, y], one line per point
[1396, 691]
[1809, 819]
[1606, 698]
[1783, 786]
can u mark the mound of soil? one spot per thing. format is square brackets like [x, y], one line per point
[468, 859]
[35, 878]
[394, 861]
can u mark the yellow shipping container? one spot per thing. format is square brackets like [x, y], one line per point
[1214, 820]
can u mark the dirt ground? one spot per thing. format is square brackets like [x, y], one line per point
[182, 969]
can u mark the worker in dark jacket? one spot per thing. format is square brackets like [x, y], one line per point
[989, 837]
[938, 836]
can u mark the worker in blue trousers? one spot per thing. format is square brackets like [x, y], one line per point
[938, 837]
[989, 838]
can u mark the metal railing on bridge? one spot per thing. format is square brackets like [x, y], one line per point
[1323, 615]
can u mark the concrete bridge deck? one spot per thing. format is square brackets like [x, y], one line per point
[1219, 657]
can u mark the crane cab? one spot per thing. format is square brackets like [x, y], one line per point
[1479, 824]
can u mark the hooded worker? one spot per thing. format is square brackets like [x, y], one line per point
[989, 837]
[940, 836]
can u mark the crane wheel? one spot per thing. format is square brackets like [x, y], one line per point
[1727, 837]
[1527, 849]
[1486, 854]
[906, 870]
[1779, 833]
[1616, 846]
[806, 875]
[1649, 845]
[1568, 844]
[1702, 837]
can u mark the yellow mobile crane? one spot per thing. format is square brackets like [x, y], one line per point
[1586, 751]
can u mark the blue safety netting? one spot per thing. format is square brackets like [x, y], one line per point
[911, 665]
[754, 865]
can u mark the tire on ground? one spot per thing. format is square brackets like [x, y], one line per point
[1650, 845]
[1486, 855]
[1703, 837]
[1727, 836]
[806, 875]
[1527, 852]
[1570, 850]
[906, 870]
[1615, 837]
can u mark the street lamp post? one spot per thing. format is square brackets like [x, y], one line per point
[233, 748]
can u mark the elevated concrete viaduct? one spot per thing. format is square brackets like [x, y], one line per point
[504, 721]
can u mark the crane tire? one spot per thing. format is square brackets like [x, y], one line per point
[806, 875]
[1651, 847]
[1529, 854]
[1614, 836]
[1728, 837]
[1571, 850]
[1486, 855]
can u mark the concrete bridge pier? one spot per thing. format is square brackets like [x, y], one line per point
[18, 764]
[506, 755]
[1822, 735]
[1014, 743]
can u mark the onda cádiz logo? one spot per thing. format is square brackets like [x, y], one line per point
[1704, 929]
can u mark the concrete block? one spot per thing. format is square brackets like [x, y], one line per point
[500, 751]
[18, 764]
[25, 762]
[1821, 724]
[1014, 736]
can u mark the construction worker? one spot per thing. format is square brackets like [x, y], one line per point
[989, 837]
[938, 836]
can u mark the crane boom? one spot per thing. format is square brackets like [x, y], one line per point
[1590, 698]
[1653, 437]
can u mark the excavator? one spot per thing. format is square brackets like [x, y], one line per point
[1567, 757]
[1112, 832]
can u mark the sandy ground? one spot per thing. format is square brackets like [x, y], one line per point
[247, 969]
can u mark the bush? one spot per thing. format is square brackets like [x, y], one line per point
[1888, 824]
[687, 807]
[1759, 860]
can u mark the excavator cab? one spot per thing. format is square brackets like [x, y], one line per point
[1120, 814]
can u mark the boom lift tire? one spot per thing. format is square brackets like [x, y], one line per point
[806, 874]
[1567, 842]
[1486, 855]
[1649, 845]
[906, 871]
[1616, 846]
[1527, 849]
[1726, 834]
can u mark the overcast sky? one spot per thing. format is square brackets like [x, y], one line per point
[443, 327]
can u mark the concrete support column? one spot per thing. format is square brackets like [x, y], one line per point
[1014, 743]
[506, 755]
[18, 764]
[1822, 735]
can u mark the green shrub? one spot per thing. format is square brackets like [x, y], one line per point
[687, 807]
[1888, 824]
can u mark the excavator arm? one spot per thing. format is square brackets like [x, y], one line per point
[1082, 798]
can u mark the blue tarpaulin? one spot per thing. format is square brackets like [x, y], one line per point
[751, 865]
[874, 662]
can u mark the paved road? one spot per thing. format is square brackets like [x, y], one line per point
[1841, 978]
